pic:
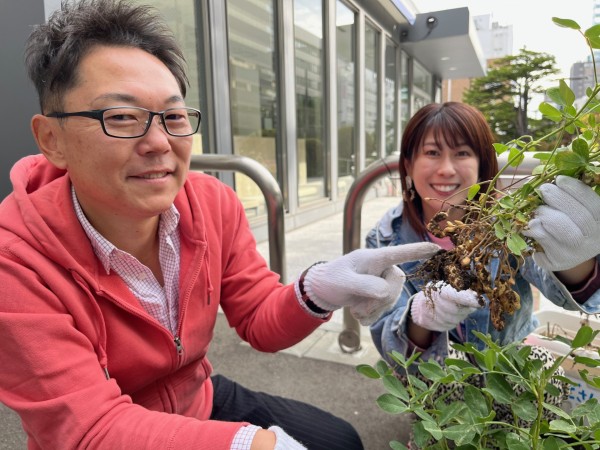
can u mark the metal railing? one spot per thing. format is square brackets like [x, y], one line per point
[270, 190]
[349, 337]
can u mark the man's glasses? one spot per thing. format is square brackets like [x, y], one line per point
[132, 122]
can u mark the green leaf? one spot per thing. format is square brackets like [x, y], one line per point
[382, 367]
[450, 412]
[556, 410]
[581, 147]
[395, 387]
[553, 94]
[566, 23]
[421, 436]
[391, 404]
[473, 190]
[569, 161]
[515, 157]
[514, 442]
[433, 429]
[367, 371]
[590, 362]
[562, 425]
[461, 434]
[432, 371]
[584, 336]
[592, 32]
[566, 93]
[476, 401]
[516, 244]
[500, 148]
[552, 443]
[395, 445]
[543, 156]
[499, 388]
[499, 231]
[525, 409]
[550, 112]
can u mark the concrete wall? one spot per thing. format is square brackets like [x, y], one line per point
[17, 95]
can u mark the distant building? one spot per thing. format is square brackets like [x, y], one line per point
[496, 42]
[582, 73]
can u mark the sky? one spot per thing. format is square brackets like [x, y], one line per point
[532, 24]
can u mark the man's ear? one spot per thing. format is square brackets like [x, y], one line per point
[46, 132]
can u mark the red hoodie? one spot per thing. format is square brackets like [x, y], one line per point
[65, 324]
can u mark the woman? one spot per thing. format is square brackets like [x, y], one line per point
[445, 149]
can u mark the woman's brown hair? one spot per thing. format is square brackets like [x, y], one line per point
[456, 124]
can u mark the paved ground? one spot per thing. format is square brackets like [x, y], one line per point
[315, 370]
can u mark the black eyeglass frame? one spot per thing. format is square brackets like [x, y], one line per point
[98, 114]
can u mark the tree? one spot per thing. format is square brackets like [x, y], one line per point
[505, 93]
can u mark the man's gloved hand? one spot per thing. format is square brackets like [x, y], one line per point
[284, 441]
[444, 309]
[567, 226]
[366, 280]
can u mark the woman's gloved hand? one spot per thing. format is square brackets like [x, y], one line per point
[366, 280]
[442, 308]
[567, 226]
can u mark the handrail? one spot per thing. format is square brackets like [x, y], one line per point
[349, 337]
[271, 191]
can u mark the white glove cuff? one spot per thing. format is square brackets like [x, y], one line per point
[284, 441]
[309, 281]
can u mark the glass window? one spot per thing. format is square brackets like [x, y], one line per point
[312, 155]
[253, 90]
[346, 111]
[390, 103]
[372, 114]
[180, 16]
[422, 86]
[404, 90]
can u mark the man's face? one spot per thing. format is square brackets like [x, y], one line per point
[126, 179]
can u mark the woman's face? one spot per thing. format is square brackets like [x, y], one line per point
[442, 175]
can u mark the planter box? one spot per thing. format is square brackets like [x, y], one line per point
[567, 323]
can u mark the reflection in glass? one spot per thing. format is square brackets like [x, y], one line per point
[308, 43]
[180, 16]
[253, 90]
[346, 76]
[390, 98]
[422, 86]
[372, 115]
[404, 91]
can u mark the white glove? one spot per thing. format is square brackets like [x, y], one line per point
[444, 309]
[366, 280]
[567, 226]
[285, 441]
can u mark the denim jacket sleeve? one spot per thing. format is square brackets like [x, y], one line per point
[555, 291]
[389, 331]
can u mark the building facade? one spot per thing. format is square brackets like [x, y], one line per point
[315, 90]
[496, 42]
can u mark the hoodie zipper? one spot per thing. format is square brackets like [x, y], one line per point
[178, 346]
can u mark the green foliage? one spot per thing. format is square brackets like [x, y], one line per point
[503, 95]
[471, 422]
[573, 145]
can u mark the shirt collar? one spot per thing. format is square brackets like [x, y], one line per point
[103, 248]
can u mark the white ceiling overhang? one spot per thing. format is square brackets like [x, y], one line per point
[446, 43]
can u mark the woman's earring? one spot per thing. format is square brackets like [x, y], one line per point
[409, 194]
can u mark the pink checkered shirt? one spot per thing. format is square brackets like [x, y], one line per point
[161, 302]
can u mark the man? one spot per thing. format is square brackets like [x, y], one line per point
[114, 260]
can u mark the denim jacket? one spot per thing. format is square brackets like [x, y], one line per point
[389, 331]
